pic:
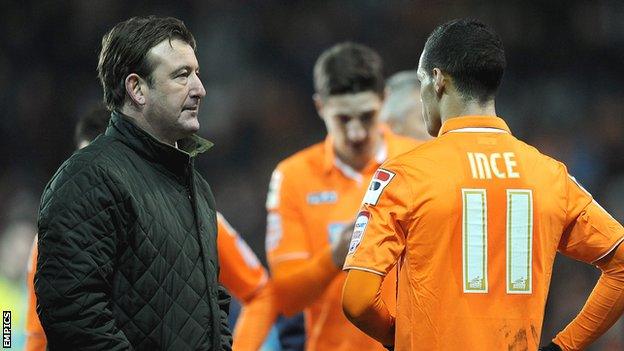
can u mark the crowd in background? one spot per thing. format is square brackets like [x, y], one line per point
[561, 92]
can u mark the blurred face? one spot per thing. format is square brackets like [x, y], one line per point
[407, 118]
[352, 122]
[430, 99]
[173, 97]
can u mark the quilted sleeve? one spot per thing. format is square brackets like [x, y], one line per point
[224, 308]
[79, 228]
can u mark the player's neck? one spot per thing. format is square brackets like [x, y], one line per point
[470, 108]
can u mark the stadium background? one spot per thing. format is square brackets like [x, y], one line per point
[562, 92]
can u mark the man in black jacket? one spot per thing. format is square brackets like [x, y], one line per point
[127, 226]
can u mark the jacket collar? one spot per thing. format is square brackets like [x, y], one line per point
[174, 159]
[468, 124]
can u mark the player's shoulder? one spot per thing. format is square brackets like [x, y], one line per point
[398, 144]
[304, 161]
[419, 155]
[539, 161]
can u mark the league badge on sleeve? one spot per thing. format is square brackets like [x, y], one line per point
[380, 180]
[358, 230]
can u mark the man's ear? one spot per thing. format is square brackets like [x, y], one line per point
[318, 103]
[135, 88]
[440, 81]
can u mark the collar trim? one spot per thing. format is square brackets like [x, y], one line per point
[477, 130]
[474, 124]
[331, 161]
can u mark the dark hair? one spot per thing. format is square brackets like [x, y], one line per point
[124, 51]
[91, 124]
[348, 68]
[471, 52]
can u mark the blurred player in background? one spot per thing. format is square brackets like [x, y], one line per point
[402, 108]
[474, 220]
[314, 194]
[241, 271]
[402, 113]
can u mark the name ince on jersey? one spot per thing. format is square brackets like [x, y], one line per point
[500, 165]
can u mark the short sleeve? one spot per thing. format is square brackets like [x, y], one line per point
[379, 237]
[591, 233]
[285, 236]
[241, 271]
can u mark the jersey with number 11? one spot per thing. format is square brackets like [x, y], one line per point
[474, 220]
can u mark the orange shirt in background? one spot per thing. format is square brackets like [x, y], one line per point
[474, 219]
[241, 273]
[312, 197]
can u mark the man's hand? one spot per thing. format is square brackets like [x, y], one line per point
[341, 246]
[550, 347]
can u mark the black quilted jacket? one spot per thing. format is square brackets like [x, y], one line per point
[127, 248]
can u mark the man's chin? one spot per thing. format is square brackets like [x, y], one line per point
[190, 124]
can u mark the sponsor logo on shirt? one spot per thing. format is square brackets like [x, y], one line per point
[358, 230]
[380, 180]
[322, 197]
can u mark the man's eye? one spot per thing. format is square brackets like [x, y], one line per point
[344, 119]
[367, 117]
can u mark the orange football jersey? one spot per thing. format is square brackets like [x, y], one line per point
[241, 273]
[473, 219]
[312, 197]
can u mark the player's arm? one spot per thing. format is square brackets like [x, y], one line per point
[378, 241]
[299, 277]
[255, 320]
[603, 307]
[363, 306]
[593, 236]
[300, 282]
[243, 275]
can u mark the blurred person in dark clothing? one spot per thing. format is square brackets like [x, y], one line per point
[127, 226]
[90, 125]
[402, 108]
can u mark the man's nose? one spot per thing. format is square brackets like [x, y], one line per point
[197, 89]
[355, 131]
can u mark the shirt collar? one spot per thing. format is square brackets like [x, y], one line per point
[474, 124]
[331, 161]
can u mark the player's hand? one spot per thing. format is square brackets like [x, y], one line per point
[341, 246]
[550, 347]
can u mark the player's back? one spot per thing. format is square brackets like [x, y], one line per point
[488, 215]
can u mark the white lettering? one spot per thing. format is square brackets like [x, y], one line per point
[511, 163]
[473, 168]
[483, 166]
[493, 158]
